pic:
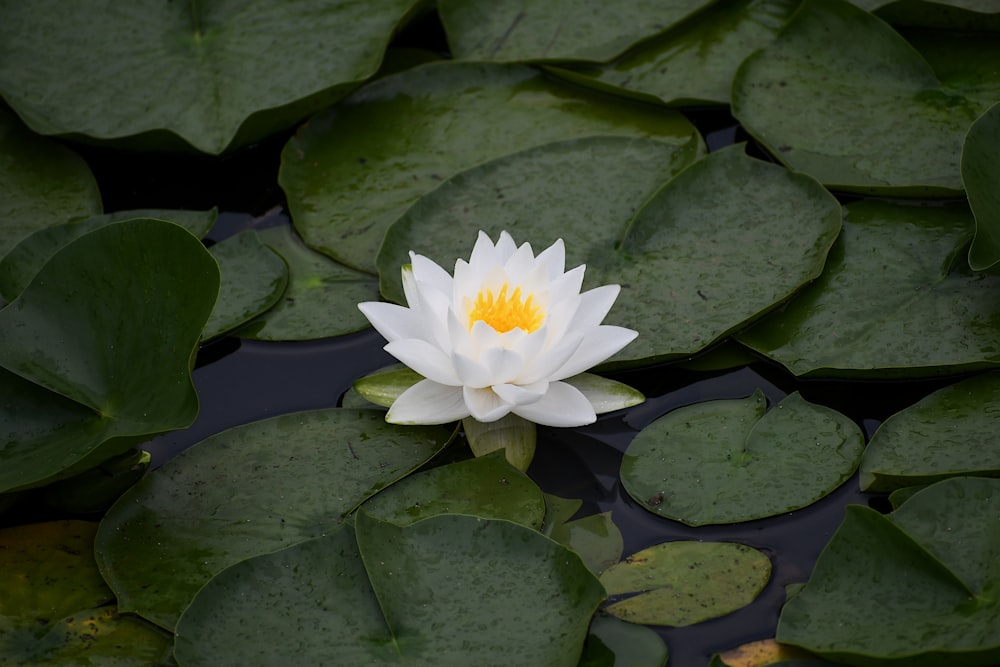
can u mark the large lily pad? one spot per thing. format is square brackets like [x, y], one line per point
[722, 242]
[98, 348]
[486, 486]
[253, 279]
[552, 30]
[841, 96]
[247, 491]
[21, 264]
[980, 174]
[449, 591]
[951, 432]
[43, 183]
[397, 139]
[897, 298]
[321, 298]
[693, 62]
[696, 463]
[917, 586]
[54, 611]
[215, 74]
[682, 583]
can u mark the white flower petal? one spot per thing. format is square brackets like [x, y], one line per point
[435, 307]
[598, 344]
[562, 405]
[503, 364]
[567, 285]
[594, 306]
[410, 287]
[560, 317]
[548, 362]
[554, 259]
[483, 253]
[392, 321]
[484, 405]
[521, 395]
[428, 402]
[520, 263]
[427, 272]
[425, 359]
[484, 337]
[505, 247]
[471, 373]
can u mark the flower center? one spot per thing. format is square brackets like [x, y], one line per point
[504, 312]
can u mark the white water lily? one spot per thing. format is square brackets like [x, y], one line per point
[499, 338]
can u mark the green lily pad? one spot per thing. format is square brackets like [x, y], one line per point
[216, 75]
[322, 296]
[693, 62]
[21, 264]
[897, 298]
[457, 115]
[595, 537]
[247, 491]
[98, 348]
[52, 610]
[766, 653]
[951, 432]
[969, 16]
[253, 279]
[43, 183]
[616, 643]
[917, 586]
[695, 248]
[980, 174]
[682, 583]
[448, 591]
[552, 30]
[900, 134]
[696, 463]
[486, 486]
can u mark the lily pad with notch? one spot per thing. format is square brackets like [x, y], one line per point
[451, 590]
[98, 349]
[695, 463]
[692, 245]
[249, 490]
[399, 138]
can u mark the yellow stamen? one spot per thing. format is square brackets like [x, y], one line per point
[504, 313]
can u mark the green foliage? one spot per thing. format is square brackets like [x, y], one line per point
[695, 464]
[916, 587]
[98, 349]
[474, 591]
[980, 175]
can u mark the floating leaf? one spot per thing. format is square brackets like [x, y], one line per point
[98, 348]
[486, 486]
[696, 463]
[246, 491]
[253, 279]
[21, 264]
[450, 591]
[917, 585]
[980, 175]
[900, 134]
[322, 296]
[547, 30]
[96, 489]
[615, 643]
[764, 653]
[897, 298]
[215, 74]
[951, 432]
[43, 184]
[682, 583]
[51, 612]
[457, 115]
[595, 537]
[695, 249]
[695, 61]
